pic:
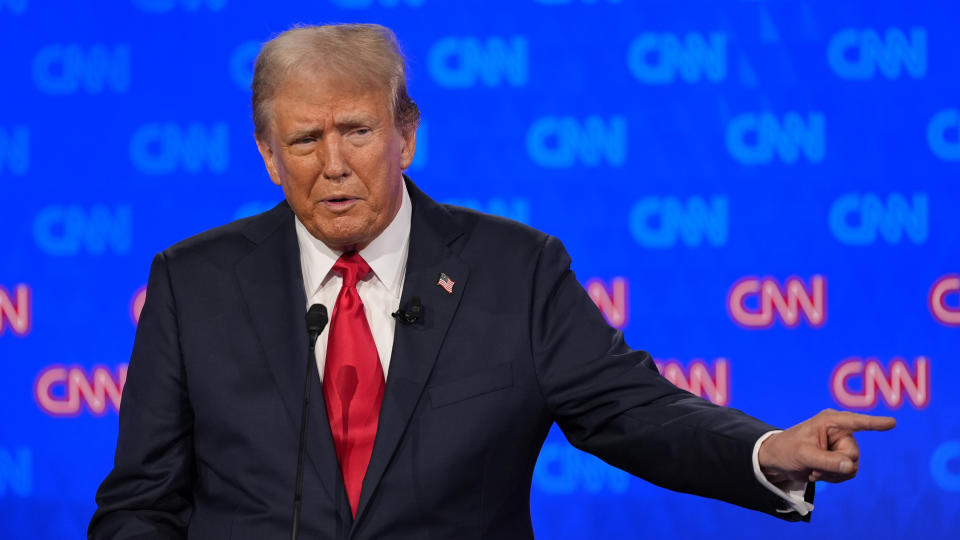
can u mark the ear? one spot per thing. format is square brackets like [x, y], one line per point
[269, 160]
[409, 147]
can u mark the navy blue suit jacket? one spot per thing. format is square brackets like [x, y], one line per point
[210, 415]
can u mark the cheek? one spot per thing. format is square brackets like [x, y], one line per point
[300, 172]
[374, 171]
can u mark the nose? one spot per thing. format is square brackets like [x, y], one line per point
[335, 166]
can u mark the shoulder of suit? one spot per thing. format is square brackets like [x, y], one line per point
[228, 243]
[475, 223]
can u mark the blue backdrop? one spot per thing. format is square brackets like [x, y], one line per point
[763, 194]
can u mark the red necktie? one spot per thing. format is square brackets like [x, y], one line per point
[352, 379]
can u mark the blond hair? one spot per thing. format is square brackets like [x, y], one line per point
[365, 54]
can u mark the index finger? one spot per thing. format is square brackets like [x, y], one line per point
[863, 422]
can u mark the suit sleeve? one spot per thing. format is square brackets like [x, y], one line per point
[148, 492]
[611, 401]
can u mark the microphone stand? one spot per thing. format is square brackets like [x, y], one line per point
[316, 321]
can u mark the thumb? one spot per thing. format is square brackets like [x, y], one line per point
[811, 457]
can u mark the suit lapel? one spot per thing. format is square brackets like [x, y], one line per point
[272, 287]
[416, 346]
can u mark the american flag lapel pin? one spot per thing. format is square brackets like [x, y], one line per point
[445, 283]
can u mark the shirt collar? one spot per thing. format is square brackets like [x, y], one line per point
[386, 254]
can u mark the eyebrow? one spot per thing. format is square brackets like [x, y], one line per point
[303, 132]
[355, 120]
[348, 121]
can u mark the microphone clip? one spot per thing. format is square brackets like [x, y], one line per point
[412, 314]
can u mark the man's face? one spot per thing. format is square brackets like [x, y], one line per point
[338, 156]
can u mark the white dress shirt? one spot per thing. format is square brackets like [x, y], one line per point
[380, 292]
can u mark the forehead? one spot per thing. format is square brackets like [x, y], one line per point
[309, 93]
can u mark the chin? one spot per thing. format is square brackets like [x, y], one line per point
[341, 241]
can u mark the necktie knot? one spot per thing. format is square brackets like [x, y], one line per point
[352, 268]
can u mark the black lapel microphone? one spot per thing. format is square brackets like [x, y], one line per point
[412, 314]
[316, 322]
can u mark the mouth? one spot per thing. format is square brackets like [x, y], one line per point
[339, 203]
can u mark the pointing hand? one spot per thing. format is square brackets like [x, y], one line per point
[821, 448]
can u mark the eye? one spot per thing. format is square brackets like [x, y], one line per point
[362, 131]
[304, 140]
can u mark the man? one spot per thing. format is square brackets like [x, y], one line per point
[424, 427]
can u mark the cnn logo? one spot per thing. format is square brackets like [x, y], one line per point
[757, 303]
[63, 391]
[697, 378]
[859, 383]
